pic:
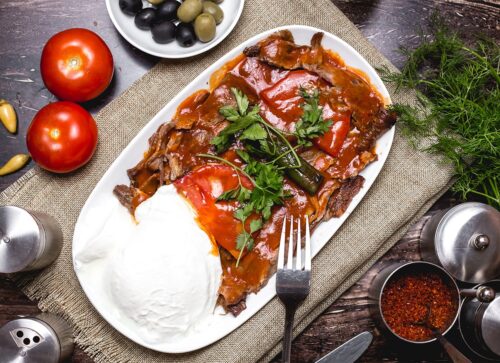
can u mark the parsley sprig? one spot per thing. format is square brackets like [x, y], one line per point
[311, 125]
[275, 155]
[267, 192]
[248, 125]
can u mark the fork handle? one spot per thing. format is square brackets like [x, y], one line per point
[287, 336]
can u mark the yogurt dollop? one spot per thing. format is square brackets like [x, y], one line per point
[163, 278]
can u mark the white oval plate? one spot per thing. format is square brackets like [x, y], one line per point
[102, 201]
[143, 40]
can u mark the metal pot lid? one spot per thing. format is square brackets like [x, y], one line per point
[28, 340]
[467, 242]
[490, 326]
[19, 239]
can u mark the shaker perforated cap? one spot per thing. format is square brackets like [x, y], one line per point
[19, 239]
[28, 340]
[467, 242]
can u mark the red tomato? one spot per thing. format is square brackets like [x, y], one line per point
[62, 137]
[331, 142]
[76, 65]
[202, 187]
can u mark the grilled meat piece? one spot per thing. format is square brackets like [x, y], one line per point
[280, 50]
[129, 196]
[125, 194]
[342, 197]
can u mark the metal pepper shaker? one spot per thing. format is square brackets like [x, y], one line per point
[28, 240]
[45, 338]
[479, 324]
[465, 240]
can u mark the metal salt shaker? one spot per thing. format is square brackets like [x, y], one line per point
[479, 324]
[45, 338]
[465, 240]
[28, 240]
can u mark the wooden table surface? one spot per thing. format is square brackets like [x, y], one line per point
[25, 26]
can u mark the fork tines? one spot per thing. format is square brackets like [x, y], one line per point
[293, 284]
[299, 265]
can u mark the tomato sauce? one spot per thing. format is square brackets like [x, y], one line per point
[255, 268]
[344, 97]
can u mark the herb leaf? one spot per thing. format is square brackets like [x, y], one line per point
[311, 125]
[241, 100]
[255, 225]
[458, 116]
[242, 122]
[243, 155]
[254, 132]
[230, 113]
[240, 193]
[229, 194]
[221, 142]
[242, 240]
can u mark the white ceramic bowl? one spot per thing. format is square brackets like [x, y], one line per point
[143, 40]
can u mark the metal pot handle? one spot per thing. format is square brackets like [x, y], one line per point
[484, 294]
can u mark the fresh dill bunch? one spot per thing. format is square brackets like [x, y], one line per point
[458, 87]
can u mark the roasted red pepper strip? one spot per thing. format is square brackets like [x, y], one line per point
[331, 142]
[284, 97]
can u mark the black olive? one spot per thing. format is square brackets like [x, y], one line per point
[163, 32]
[185, 35]
[167, 10]
[144, 18]
[130, 7]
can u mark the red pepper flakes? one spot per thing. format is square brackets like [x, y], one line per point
[409, 299]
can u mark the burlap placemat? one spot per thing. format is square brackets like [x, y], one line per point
[408, 184]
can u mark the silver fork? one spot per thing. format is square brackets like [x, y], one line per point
[292, 282]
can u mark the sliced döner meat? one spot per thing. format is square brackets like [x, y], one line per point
[280, 50]
[129, 197]
[271, 74]
[381, 122]
[125, 194]
[257, 75]
[348, 87]
[342, 196]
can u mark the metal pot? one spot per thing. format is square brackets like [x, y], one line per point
[465, 240]
[479, 325]
[389, 272]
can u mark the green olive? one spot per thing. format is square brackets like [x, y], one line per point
[214, 10]
[189, 10]
[204, 27]
[155, 2]
[217, 1]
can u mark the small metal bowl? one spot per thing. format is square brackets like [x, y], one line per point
[387, 273]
